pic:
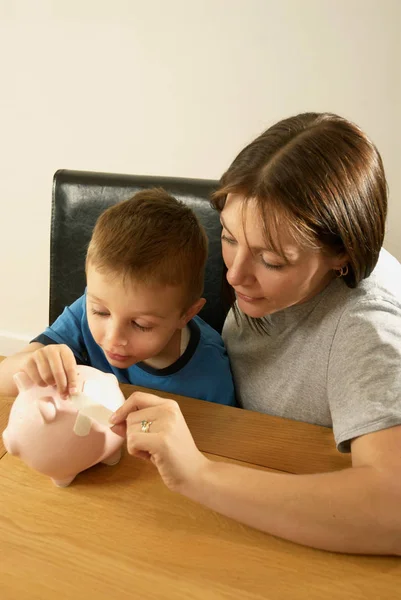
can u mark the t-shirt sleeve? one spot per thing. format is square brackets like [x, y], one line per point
[364, 371]
[67, 329]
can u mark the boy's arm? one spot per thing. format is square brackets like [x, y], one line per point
[66, 330]
[13, 364]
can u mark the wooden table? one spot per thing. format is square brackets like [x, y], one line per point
[118, 533]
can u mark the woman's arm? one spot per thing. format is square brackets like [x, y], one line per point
[356, 510]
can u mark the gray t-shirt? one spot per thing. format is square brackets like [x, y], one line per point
[333, 361]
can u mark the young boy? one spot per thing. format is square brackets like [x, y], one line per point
[137, 318]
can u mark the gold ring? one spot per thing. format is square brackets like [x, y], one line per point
[145, 426]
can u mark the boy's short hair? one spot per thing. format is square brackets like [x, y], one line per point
[152, 238]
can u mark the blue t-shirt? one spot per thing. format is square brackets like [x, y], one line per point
[203, 371]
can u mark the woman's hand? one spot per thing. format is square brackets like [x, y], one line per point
[168, 442]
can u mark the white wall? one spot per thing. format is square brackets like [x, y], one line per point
[174, 88]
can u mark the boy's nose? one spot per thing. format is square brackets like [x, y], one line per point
[116, 337]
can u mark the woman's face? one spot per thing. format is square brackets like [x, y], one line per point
[263, 282]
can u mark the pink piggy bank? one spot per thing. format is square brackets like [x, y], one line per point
[60, 438]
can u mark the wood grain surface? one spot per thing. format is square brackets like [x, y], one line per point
[118, 532]
[257, 438]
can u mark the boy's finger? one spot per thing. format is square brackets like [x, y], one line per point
[70, 366]
[44, 369]
[60, 377]
[137, 401]
[31, 370]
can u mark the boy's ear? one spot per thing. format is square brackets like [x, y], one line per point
[192, 311]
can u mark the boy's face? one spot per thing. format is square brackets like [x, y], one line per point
[133, 321]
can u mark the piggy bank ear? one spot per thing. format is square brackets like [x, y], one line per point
[47, 408]
[22, 381]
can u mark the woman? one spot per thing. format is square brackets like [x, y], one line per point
[315, 296]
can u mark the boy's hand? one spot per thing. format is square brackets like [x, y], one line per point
[54, 364]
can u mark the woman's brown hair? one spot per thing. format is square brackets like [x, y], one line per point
[321, 175]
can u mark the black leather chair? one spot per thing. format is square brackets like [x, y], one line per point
[78, 199]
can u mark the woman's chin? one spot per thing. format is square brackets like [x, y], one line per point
[252, 310]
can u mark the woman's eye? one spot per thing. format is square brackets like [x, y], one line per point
[227, 239]
[270, 266]
[140, 327]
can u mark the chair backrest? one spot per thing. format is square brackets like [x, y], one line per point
[78, 199]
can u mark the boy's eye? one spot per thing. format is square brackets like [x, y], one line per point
[99, 312]
[140, 327]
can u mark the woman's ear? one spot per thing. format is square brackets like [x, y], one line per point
[192, 311]
[339, 260]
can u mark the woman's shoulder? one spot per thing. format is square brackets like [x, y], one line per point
[372, 307]
[383, 286]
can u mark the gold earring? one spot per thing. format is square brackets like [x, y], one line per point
[342, 272]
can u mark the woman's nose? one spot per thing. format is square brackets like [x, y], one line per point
[239, 272]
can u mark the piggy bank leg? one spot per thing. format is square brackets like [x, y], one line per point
[63, 482]
[113, 459]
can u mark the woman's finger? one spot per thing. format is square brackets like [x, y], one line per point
[137, 401]
[139, 443]
[120, 429]
[151, 415]
[143, 455]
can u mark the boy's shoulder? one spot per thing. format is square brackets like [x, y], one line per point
[208, 335]
[209, 366]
